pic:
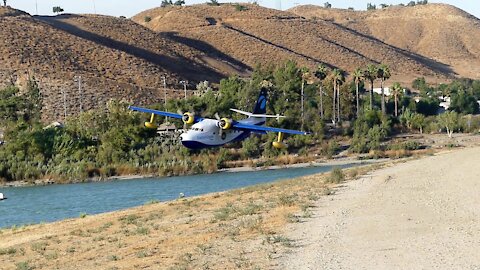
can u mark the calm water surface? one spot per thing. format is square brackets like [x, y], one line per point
[50, 203]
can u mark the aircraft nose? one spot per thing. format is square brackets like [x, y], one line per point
[185, 136]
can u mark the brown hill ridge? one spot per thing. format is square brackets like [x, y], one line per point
[125, 59]
[260, 35]
[437, 31]
[116, 58]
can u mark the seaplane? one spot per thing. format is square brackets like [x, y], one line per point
[208, 133]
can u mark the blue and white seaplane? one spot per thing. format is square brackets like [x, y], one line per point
[206, 133]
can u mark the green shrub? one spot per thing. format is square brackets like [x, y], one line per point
[336, 176]
[239, 7]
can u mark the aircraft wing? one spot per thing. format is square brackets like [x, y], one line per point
[145, 110]
[267, 129]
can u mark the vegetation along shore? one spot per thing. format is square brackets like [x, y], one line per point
[112, 142]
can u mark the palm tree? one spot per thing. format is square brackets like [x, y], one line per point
[358, 78]
[321, 74]
[338, 79]
[370, 74]
[305, 75]
[4, 3]
[383, 73]
[396, 91]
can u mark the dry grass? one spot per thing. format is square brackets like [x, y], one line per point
[237, 229]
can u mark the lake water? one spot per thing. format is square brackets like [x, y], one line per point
[37, 204]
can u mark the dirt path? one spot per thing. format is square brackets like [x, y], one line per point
[422, 214]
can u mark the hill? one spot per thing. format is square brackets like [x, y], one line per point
[253, 34]
[116, 58]
[440, 32]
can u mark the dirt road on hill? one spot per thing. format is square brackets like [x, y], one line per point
[422, 214]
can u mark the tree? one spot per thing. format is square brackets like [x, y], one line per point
[449, 120]
[384, 5]
[305, 73]
[213, 3]
[370, 74]
[327, 5]
[4, 3]
[358, 78]
[383, 73]
[418, 121]
[396, 91]
[371, 6]
[57, 9]
[166, 3]
[179, 3]
[407, 118]
[338, 79]
[321, 73]
[464, 102]
[411, 4]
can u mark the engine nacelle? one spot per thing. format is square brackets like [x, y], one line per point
[279, 145]
[151, 124]
[225, 123]
[188, 118]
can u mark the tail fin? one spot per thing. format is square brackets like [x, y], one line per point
[261, 106]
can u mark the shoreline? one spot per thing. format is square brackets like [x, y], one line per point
[332, 162]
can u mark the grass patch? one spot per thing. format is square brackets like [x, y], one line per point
[278, 239]
[39, 247]
[8, 251]
[287, 200]
[113, 258]
[150, 202]
[336, 176]
[130, 219]
[23, 266]
[224, 213]
[250, 209]
[142, 231]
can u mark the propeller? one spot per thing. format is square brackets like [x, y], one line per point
[219, 125]
[188, 118]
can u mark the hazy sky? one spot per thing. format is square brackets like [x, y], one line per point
[129, 8]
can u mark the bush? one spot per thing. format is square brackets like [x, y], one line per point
[336, 176]
[239, 7]
[147, 19]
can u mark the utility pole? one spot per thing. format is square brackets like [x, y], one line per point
[302, 96]
[64, 105]
[184, 87]
[164, 91]
[36, 7]
[94, 7]
[79, 80]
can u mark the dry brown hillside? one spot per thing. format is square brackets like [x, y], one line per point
[440, 32]
[116, 58]
[260, 35]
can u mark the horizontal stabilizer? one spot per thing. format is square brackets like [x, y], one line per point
[257, 115]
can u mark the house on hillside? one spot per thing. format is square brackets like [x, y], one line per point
[386, 91]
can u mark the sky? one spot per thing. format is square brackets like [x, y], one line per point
[129, 8]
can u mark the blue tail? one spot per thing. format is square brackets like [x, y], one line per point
[261, 106]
